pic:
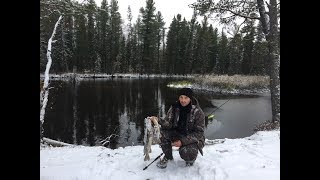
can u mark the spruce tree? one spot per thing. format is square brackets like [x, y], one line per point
[171, 47]
[213, 47]
[129, 43]
[81, 43]
[104, 29]
[91, 9]
[223, 56]
[114, 35]
[260, 65]
[148, 37]
[235, 57]
[247, 64]
[159, 30]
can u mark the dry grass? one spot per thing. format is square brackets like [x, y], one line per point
[267, 126]
[232, 82]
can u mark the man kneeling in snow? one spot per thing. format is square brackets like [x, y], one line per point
[182, 127]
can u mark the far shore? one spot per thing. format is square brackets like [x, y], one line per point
[222, 84]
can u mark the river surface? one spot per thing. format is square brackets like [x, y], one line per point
[88, 111]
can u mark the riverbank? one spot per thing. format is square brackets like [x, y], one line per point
[219, 84]
[249, 158]
[226, 85]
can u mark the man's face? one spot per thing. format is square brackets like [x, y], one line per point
[184, 100]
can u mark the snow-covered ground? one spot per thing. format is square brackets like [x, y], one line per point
[250, 158]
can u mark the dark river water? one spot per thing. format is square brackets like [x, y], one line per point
[88, 111]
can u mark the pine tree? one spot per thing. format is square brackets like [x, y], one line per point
[81, 43]
[159, 29]
[114, 35]
[58, 65]
[223, 56]
[129, 44]
[260, 65]
[171, 50]
[92, 56]
[235, 57]
[137, 46]
[148, 37]
[183, 34]
[191, 43]
[202, 51]
[121, 58]
[247, 64]
[67, 36]
[213, 47]
[44, 21]
[104, 29]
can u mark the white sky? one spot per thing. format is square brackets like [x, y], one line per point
[168, 8]
[250, 158]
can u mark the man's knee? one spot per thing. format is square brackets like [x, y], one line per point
[189, 152]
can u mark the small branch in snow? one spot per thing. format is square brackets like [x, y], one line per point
[215, 141]
[107, 140]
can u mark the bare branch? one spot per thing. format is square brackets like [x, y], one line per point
[237, 14]
[268, 4]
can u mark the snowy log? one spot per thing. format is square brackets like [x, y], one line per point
[55, 143]
[215, 141]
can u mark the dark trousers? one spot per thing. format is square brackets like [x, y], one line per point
[188, 152]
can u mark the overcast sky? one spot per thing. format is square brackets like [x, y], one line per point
[168, 8]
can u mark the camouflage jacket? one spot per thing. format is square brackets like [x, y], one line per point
[194, 127]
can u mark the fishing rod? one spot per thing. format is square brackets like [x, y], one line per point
[152, 161]
[211, 115]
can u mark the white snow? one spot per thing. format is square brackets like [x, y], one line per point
[250, 158]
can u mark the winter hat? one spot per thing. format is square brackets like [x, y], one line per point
[186, 91]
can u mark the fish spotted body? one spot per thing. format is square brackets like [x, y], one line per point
[151, 136]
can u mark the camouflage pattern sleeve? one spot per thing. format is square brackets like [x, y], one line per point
[166, 123]
[197, 133]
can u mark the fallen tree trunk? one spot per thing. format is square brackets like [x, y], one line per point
[55, 143]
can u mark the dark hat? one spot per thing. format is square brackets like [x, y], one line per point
[186, 91]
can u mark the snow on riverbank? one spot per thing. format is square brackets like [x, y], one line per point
[250, 158]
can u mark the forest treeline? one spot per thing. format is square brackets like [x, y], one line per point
[94, 39]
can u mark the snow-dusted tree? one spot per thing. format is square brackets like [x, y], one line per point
[182, 41]
[159, 28]
[130, 43]
[171, 50]
[213, 47]
[114, 35]
[201, 64]
[191, 43]
[149, 41]
[121, 58]
[230, 10]
[81, 43]
[223, 55]
[247, 61]
[235, 55]
[260, 65]
[92, 55]
[136, 46]
[104, 27]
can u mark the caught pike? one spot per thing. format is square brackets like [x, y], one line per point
[151, 136]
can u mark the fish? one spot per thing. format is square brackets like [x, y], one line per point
[151, 136]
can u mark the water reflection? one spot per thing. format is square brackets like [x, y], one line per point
[88, 111]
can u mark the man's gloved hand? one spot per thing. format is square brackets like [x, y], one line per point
[176, 143]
